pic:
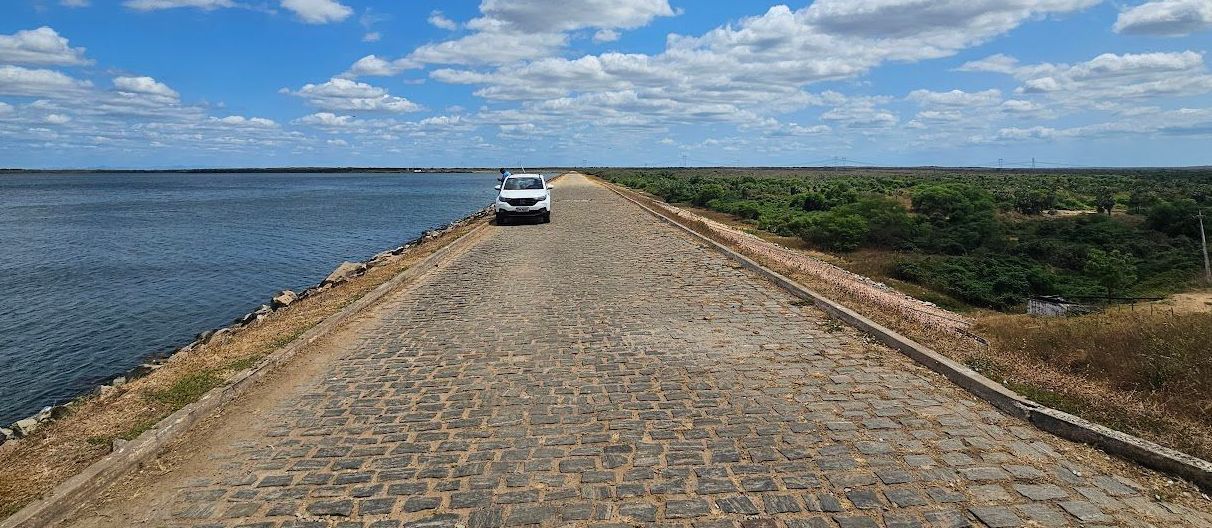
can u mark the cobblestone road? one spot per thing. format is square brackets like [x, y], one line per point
[606, 370]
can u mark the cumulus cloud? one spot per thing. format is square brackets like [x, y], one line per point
[318, 11]
[510, 31]
[146, 86]
[41, 46]
[606, 35]
[1166, 17]
[438, 20]
[244, 122]
[307, 11]
[326, 119]
[1108, 76]
[956, 98]
[348, 95]
[19, 81]
[554, 15]
[153, 5]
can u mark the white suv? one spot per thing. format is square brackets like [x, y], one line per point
[524, 195]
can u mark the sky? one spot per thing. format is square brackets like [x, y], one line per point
[417, 83]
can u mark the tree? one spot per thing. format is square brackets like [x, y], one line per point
[839, 232]
[709, 192]
[1105, 202]
[960, 216]
[1035, 201]
[1114, 270]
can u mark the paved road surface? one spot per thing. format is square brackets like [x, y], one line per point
[606, 370]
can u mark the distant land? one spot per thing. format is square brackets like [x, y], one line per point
[439, 170]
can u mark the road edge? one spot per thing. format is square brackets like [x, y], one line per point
[1053, 421]
[98, 476]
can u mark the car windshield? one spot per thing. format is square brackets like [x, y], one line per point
[523, 184]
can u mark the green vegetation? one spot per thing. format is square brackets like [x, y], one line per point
[187, 389]
[987, 238]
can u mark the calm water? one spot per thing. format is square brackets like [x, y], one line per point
[101, 271]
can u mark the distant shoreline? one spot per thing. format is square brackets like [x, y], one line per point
[464, 170]
[267, 170]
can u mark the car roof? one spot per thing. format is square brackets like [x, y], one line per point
[540, 176]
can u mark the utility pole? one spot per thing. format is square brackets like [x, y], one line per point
[1000, 163]
[1032, 162]
[1204, 241]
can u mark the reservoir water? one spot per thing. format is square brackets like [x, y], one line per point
[100, 271]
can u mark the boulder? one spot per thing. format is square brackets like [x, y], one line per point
[283, 299]
[26, 427]
[344, 272]
[7, 434]
[45, 414]
[59, 412]
[118, 382]
[204, 337]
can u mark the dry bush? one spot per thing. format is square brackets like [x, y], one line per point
[1165, 357]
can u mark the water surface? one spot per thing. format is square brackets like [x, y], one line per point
[101, 271]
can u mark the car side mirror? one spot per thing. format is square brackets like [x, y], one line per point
[498, 187]
[549, 187]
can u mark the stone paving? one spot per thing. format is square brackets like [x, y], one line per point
[606, 370]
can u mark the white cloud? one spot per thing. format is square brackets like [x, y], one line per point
[39, 46]
[1166, 17]
[348, 95]
[318, 11]
[956, 98]
[326, 119]
[18, 81]
[57, 119]
[372, 65]
[606, 35]
[555, 15]
[75, 3]
[152, 5]
[244, 122]
[438, 20]
[5, 108]
[308, 11]
[494, 47]
[1107, 77]
[373, 36]
[519, 30]
[146, 86]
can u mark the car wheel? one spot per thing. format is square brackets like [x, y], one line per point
[546, 218]
[500, 219]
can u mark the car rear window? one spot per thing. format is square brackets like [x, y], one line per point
[523, 184]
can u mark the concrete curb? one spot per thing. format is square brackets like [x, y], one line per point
[67, 496]
[1062, 424]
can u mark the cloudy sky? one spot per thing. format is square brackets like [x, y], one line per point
[181, 83]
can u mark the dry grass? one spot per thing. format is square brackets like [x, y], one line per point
[1158, 357]
[34, 465]
[1162, 417]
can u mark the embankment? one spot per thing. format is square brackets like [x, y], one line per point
[61, 441]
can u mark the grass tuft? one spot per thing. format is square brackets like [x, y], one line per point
[187, 389]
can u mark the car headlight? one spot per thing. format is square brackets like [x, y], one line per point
[502, 199]
[545, 198]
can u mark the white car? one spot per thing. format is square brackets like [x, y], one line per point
[524, 195]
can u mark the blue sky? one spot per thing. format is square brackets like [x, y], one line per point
[206, 83]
